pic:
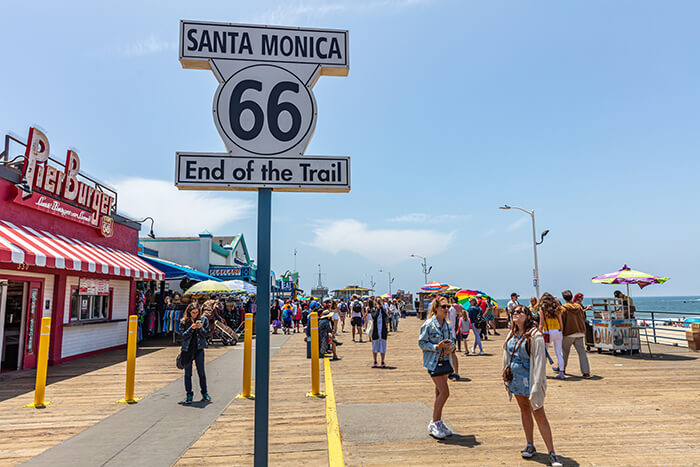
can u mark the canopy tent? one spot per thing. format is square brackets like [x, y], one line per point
[174, 271]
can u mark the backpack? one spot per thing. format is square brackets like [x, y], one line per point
[356, 307]
[343, 307]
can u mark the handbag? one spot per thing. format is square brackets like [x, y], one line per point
[443, 367]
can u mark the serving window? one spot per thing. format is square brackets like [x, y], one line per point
[85, 307]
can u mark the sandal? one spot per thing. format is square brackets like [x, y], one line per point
[374, 365]
[383, 365]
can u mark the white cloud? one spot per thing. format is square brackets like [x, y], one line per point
[515, 225]
[175, 212]
[150, 45]
[381, 246]
[423, 218]
[293, 11]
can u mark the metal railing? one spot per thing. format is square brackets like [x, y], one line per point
[661, 323]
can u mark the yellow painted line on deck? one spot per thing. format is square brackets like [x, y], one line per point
[335, 445]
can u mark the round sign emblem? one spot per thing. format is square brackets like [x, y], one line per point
[265, 110]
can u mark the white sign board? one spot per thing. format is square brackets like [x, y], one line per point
[264, 107]
[200, 41]
[223, 171]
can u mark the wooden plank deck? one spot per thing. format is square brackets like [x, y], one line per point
[83, 392]
[635, 411]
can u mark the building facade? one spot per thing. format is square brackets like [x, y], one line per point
[65, 254]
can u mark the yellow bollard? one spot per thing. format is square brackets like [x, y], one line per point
[315, 377]
[247, 357]
[131, 361]
[42, 364]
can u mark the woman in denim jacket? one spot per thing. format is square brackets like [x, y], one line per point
[194, 329]
[434, 341]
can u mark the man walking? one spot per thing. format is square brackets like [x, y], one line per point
[574, 321]
[357, 313]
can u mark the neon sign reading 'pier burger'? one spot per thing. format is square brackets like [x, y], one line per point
[59, 191]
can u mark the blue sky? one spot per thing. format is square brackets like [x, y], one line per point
[586, 112]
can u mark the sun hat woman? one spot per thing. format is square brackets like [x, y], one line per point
[194, 329]
[524, 373]
[437, 346]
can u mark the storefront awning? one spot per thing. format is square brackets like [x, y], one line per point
[174, 271]
[34, 247]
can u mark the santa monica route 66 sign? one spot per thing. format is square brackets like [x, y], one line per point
[264, 107]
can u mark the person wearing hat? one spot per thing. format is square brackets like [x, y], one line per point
[326, 337]
[511, 305]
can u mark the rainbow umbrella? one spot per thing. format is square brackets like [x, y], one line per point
[434, 287]
[386, 295]
[629, 276]
[464, 295]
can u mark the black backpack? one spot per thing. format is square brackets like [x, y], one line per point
[356, 307]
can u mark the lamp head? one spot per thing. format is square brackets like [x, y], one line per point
[544, 234]
[505, 206]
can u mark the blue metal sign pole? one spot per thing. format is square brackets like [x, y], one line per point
[262, 326]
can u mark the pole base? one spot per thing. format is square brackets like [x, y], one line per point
[319, 395]
[241, 396]
[39, 406]
[129, 401]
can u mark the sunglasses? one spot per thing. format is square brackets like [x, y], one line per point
[519, 312]
[445, 307]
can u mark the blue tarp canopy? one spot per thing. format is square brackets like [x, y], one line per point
[174, 271]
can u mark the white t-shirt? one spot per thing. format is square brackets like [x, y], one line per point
[452, 316]
[512, 304]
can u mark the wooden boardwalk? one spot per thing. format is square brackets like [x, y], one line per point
[83, 392]
[634, 411]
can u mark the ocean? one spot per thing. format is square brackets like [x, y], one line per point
[672, 307]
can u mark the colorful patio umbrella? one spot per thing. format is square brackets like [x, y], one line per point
[386, 295]
[464, 295]
[629, 276]
[435, 287]
[208, 287]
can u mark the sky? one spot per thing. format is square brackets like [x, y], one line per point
[585, 111]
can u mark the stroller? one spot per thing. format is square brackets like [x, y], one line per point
[220, 330]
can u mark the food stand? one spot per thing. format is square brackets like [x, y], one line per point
[614, 326]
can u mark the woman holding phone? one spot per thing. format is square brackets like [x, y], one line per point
[194, 329]
[437, 346]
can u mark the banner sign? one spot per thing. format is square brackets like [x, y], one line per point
[93, 286]
[221, 171]
[230, 273]
[264, 107]
[59, 191]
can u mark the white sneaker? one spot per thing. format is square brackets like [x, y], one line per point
[444, 428]
[435, 431]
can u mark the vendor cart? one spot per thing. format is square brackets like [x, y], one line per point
[614, 327]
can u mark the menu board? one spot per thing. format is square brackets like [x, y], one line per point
[93, 286]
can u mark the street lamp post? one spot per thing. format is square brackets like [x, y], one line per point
[426, 270]
[534, 242]
[390, 279]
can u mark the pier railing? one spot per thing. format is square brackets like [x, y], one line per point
[663, 326]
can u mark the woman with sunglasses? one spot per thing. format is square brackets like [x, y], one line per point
[438, 348]
[524, 373]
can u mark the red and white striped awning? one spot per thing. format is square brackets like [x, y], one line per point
[34, 247]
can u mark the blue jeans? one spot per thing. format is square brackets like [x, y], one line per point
[199, 361]
[477, 339]
[395, 322]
